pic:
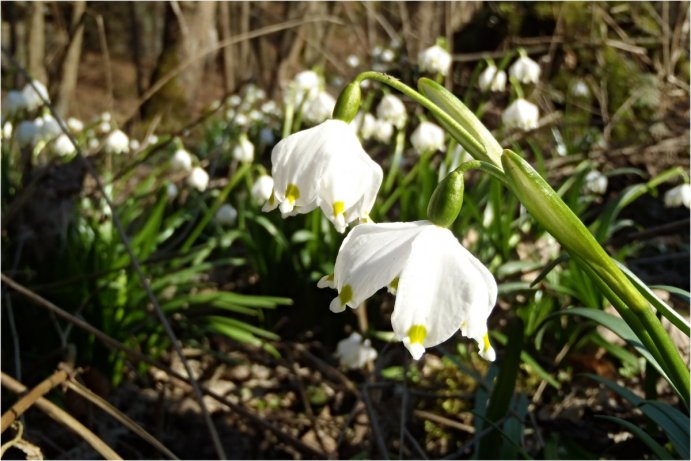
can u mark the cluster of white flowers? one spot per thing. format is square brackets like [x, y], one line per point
[492, 79]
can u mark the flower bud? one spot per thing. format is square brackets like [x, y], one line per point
[447, 200]
[348, 102]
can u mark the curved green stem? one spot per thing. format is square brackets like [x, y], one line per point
[487, 168]
[472, 145]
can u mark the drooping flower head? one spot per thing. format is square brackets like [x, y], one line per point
[117, 142]
[391, 109]
[32, 98]
[319, 108]
[435, 60]
[440, 287]
[181, 160]
[354, 352]
[326, 167]
[427, 137]
[521, 114]
[678, 196]
[595, 182]
[13, 103]
[226, 215]
[243, 150]
[262, 188]
[525, 70]
[492, 79]
[198, 178]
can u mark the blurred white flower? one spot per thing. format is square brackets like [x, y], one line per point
[391, 109]
[13, 103]
[117, 142]
[365, 123]
[427, 137]
[134, 145]
[241, 120]
[226, 215]
[50, 128]
[262, 188]
[525, 70]
[181, 160]
[307, 84]
[580, 89]
[75, 125]
[324, 166]
[353, 61]
[492, 79]
[234, 100]
[354, 353]
[105, 117]
[439, 285]
[271, 108]
[521, 114]
[387, 55]
[382, 131]
[595, 182]
[151, 139]
[62, 146]
[92, 143]
[104, 127]
[319, 108]
[198, 178]
[678, 196]
[27, 131]
[243, 150]
[7, 130]
[33, 99]
[435, 60]
[171, 191]
[255, 115]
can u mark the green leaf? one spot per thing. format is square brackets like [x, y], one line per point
[657, 449]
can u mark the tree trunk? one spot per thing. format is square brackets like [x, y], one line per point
[36, 49]
[70, 65]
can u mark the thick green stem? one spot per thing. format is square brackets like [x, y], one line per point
[472, 145]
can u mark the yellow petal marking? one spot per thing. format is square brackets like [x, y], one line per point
[487, 346]
[292, 193]
[417, 334]
[346, 294]
[338, 208]
[394, 283]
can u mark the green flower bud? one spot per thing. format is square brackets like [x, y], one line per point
[348, 102]
[447, 200]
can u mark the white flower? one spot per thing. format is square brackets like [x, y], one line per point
[262, 188]
[117, 142]
[134, 145]
[440, 287]
[324, 166]
[13, 103]
[75, 125]
[198, 178]
[50, 128]
[392, 110]
[33, 99]
[580, 89]
[677, 196]
[226, 215]
[525, 70]
[492, 79]
[62, 146]
[151, 139]
[92, 143]
[382, 131]
[319, 108]
[595, 182]
[171, 191]
[106, 117]
[241, 120]
[521, 114]
[7, 130]
[353, 353]
[255, 115]
[271, 108]
[234, 100]
[181, 160]
[104, 127]
[353, 61]
[427, 137]
[27, 131]
[307, 82]
[266, 136]
[365, 124]
[243, 150]
[435, 60]
[387, 55]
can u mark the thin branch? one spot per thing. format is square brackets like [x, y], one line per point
[29, 399]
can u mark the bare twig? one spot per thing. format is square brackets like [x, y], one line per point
[444, 421]
[29, 399]
[64, 418]
[106, 60]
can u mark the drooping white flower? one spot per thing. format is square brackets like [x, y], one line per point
[365, 124]
[243, 150]
[50, 128]
[427, 137]
[171, 191]
[27, 131]
[307, 83]
[354, 353]
[262, 188]
[226, 215]
[525, 70]
[678, 196]
[492, 79]
[595, 182]
[13, 103]
[7, 130]
[181, 160]
[34, 99]
[521, 114]
[255, 115]
[198, 178]
[435, 60]
[62, 146]
[234, 100]
[440, 286]
[75, 125]
[353, 61]
[382, 131]
[326, 167]
[319, 108]
[271, 108]
[151, 139]
[134, 145]
[117, 142]
[392, 110]
[387, 55]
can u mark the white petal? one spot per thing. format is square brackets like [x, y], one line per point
[371, 257]
[440, 288]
